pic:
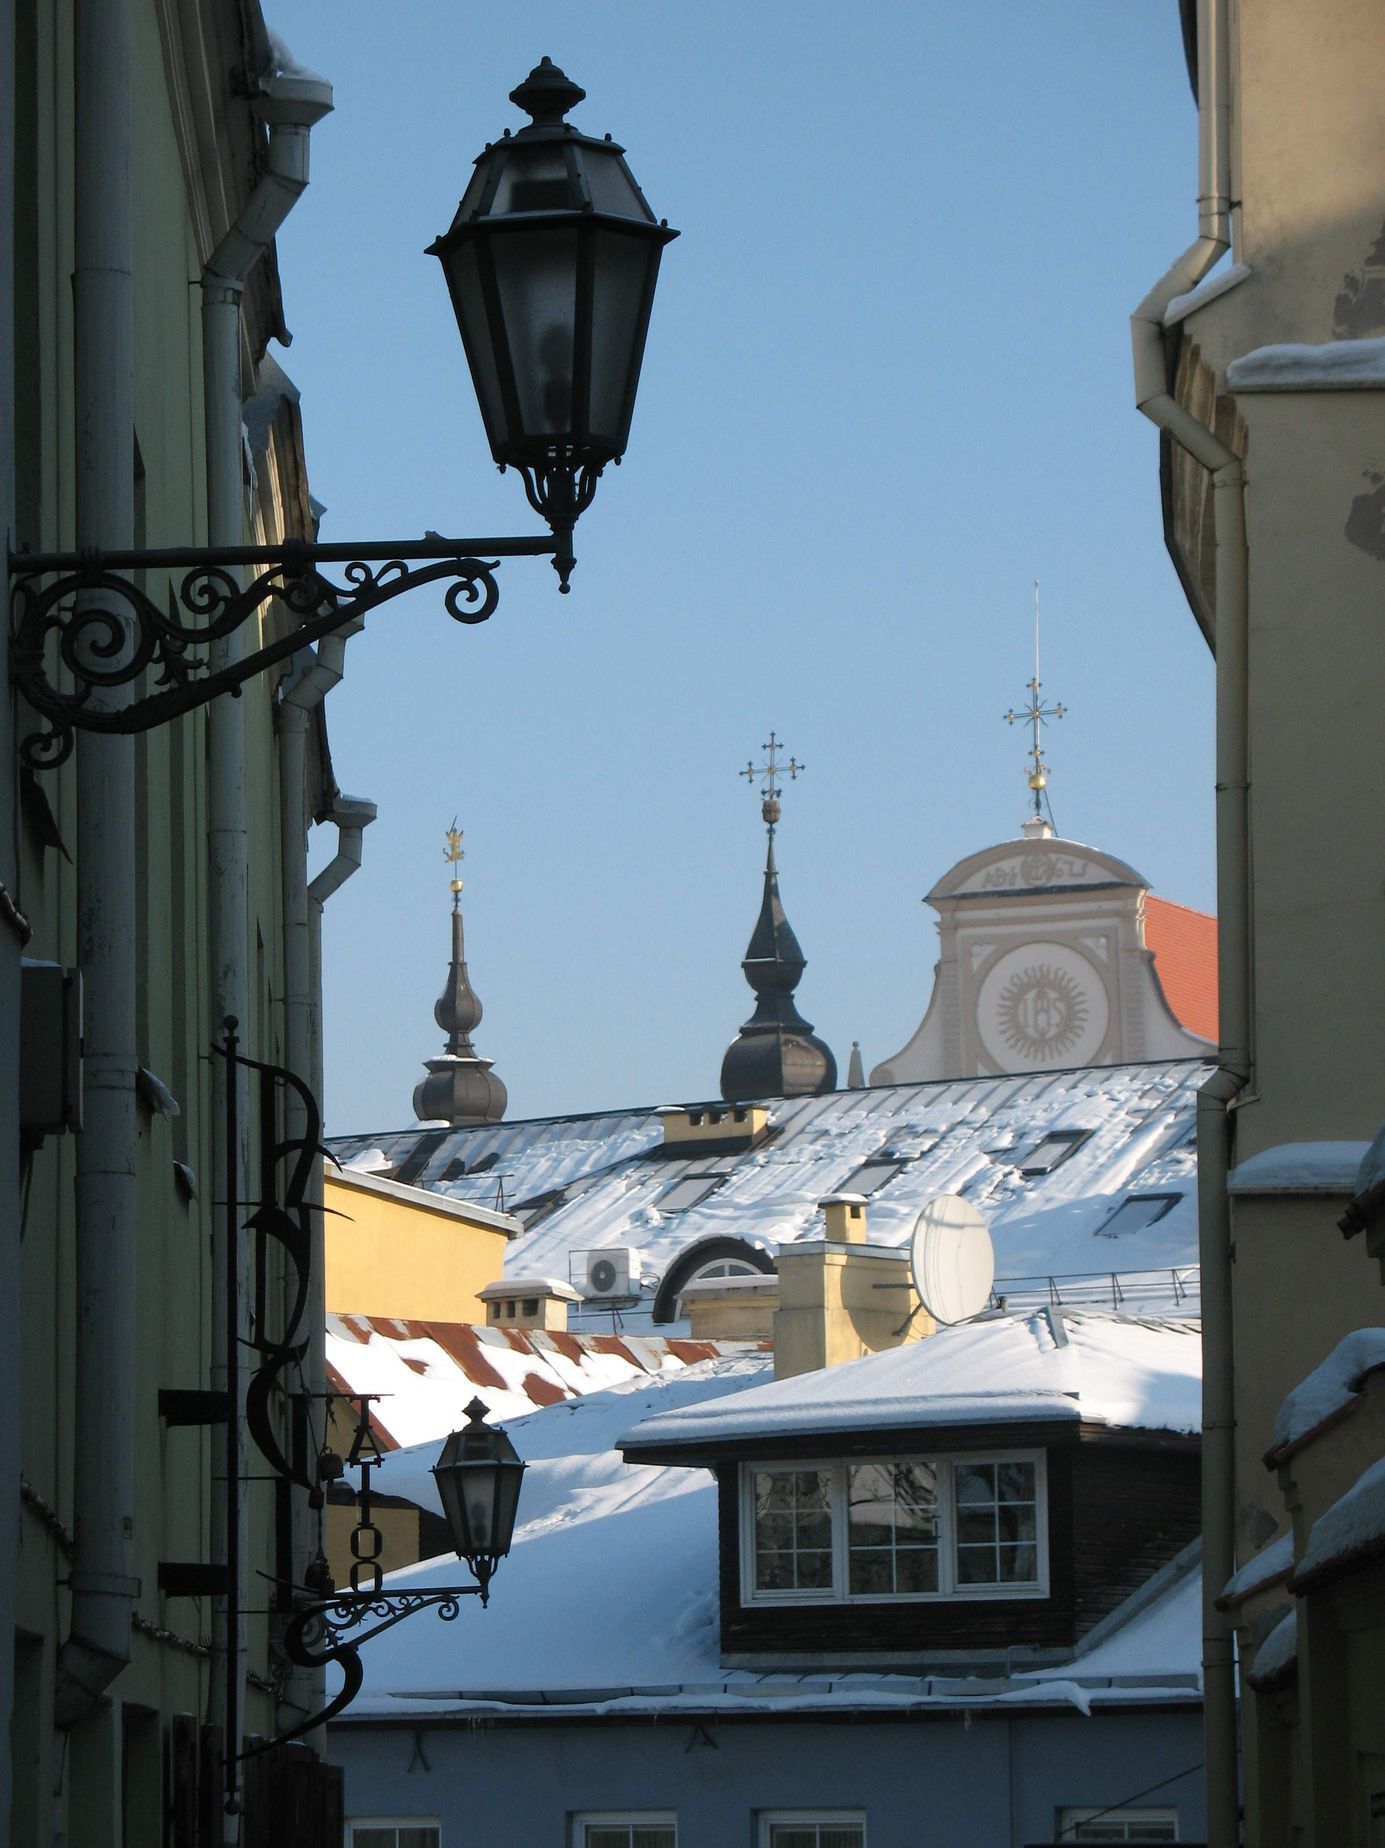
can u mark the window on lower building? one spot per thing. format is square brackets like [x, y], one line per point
[1118, 1825]
[393, 1832]
[787, 1829]
[630, 1830]
[899, 1527]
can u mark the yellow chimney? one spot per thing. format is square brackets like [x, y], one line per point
[840, 1297]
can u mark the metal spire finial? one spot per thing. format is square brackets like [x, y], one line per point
[1034, 715]
[770, 788]
[453, 854]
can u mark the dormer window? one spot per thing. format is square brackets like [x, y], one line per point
[951, 1526]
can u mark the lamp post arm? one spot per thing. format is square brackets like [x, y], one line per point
[108, 631]
[319, 1634]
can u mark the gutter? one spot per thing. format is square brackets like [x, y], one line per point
[1226, 1085]
[290, 102]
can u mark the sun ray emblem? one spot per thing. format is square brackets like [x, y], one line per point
[1042, 1012]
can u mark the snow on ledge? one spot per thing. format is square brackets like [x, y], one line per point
[1277, 1653]
[1183, 305]
[1353, 1525]
[1300, 1168]
[1272, 1562]
[1329, 1388]
[1336, 365]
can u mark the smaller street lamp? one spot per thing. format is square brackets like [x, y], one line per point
[551, 261]
[478, 1476]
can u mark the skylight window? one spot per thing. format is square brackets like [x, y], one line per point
[1053, 1151]
[1137, 1213]
[872, 1175]
[687, 1192]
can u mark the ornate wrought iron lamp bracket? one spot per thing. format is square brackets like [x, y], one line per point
[78, 618]
[321, 1634]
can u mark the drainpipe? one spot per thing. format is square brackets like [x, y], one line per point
[97, 1645]
[300, 697]
[1219, 1094]
[10, 939]
[291, 102]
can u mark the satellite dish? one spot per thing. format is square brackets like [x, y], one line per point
[952, 1259]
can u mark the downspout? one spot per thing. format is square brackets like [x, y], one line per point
[11, 1374]
[97, 1645]
[300, 697]
[291, 102]
[352, 815]
[1219, 1094]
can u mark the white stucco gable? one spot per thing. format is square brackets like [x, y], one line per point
[1042, 965]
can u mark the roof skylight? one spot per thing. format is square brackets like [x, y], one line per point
[1053, 1151]
[1138, 1212]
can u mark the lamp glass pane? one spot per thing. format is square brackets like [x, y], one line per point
[536, 273]
[610, 185]
[622, 279]
[478, 1505]
[463, 275]
[534, 179]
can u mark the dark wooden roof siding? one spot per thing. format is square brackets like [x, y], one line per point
[1117, 1511]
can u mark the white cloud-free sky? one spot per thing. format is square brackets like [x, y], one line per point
[887, 386]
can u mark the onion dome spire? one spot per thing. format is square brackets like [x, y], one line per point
[775, 1054]
[460, 1087]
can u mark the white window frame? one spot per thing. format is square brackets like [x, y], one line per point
[1116, 1818]
[627, 1819]
[353, 1823]
[949, 1590]
[803, 1819]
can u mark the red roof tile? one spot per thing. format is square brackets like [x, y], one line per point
[1184, 943]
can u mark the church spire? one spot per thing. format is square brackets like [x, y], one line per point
[460, 1087]
[775, 1054]
[1037, 826]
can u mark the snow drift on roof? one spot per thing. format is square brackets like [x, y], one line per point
[1113, 1370]
[1353, 1526]
[1272, 1562]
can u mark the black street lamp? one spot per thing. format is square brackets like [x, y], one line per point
[551, 262]
[478, 1476]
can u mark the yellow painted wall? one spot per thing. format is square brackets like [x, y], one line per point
[398, 1251]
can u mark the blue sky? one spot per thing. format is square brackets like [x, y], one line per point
[887, 386]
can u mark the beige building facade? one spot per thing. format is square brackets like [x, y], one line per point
[1259, 355]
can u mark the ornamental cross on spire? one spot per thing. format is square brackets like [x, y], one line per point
[453, 854]
[769, 771]
[1034, 715]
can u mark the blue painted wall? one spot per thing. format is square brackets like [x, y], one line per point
[995, 1783]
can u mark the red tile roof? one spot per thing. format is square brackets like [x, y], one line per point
[1184, 943]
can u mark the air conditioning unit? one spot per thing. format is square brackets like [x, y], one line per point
[613, 1272]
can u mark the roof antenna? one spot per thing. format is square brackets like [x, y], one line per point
[1037, 826]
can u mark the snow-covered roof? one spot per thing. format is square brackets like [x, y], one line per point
[1051, 1365]
[607, 1603]
[427, 1372]
[1329, 1389]
[1277, 1656]
[584, 1182]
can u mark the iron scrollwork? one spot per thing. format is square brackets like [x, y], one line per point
[79, 616]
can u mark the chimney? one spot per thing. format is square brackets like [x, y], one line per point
[840, 1297]
[527, 1302]
[713, 1129]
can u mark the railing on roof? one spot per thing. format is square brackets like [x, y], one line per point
[1176, 1289]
